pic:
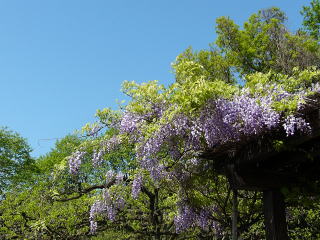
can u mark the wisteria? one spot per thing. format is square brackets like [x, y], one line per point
[75, 161]
[219, 122]
[113, 203]
[96, 208]
[293, 124]
[110, 205]
[110, 144]
[119, 177]
[106, 147]
[106, 196]
[136, 186]
[119, 202]
[188, 217]
[158, 173]
[110, 176]
[179, 127]
[97, 157]
[185, 219]
[243, 115]
[129, 122]
[168, 146]
[111, 212]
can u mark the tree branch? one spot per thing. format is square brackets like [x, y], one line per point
[87, 190]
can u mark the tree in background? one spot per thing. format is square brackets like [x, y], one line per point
[311, 19]
[265, 44]
[16, 164]
[31, 211]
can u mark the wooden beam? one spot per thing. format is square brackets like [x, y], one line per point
[256, 179]
[274, 215]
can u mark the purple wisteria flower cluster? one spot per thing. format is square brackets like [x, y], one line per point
[129, 122]
[97, 157]
[188, 218]
[293, 123]
[106, 146]
[110, 176]
[96, 208]
[181, 128]
[136, 186]
[110, 144]
[110, 206]
[228, 120]
[75, 161]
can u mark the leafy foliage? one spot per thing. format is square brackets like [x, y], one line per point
[16, 164]
[137, 173]
[311, 19]
[265, 44]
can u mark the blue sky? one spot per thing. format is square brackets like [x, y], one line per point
[62, 60]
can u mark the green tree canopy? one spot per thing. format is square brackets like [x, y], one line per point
[16, 164]
[311, 18]
[265, 44]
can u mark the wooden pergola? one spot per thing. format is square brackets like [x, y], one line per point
[256, 165]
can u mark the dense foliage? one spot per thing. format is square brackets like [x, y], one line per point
[138, 172]
[16, 164]
[311, 16]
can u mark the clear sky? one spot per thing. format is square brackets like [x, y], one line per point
[61, 60]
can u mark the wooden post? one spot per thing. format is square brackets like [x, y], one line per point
[235, 215]
[274, 215]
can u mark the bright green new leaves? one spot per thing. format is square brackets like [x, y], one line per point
[207, 64]
[186, 97]
[193, 94]
[107, 116]
[144, 96]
